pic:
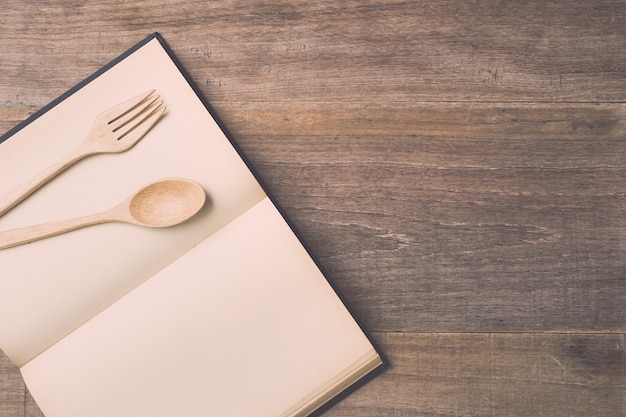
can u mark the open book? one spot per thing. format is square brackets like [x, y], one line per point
[223, 315]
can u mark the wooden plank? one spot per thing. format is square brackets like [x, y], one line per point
[452, 217]
[436, 157]
[451, 375]
[504, 375]
[367, 51]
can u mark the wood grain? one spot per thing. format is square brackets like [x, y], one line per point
[457, 167]
[507, 375]
[447, 216]
[354, 50]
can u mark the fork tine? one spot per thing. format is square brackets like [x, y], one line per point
[139, 111]
[114, 113]
[132, 132]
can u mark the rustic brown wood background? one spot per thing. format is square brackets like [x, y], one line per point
[458, 168]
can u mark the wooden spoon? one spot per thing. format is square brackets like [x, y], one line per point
[160, 204]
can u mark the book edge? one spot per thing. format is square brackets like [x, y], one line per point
[357, 372]
[350, 376]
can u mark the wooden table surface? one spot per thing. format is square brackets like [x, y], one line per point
[457, 167]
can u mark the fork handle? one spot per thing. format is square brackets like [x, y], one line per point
[18, 193]
[15, 237]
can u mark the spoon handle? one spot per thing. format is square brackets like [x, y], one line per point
[29, 234]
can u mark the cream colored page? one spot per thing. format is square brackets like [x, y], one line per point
[49, 287]
[242, 325]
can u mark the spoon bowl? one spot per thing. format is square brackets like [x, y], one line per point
[166, 203]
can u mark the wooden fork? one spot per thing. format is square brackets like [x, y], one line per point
[114, 130]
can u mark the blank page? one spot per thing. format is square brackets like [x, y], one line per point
[242, 325]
